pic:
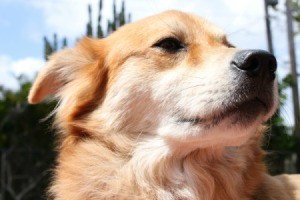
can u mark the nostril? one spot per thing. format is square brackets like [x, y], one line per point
[252, 65]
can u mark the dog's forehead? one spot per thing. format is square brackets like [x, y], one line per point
[190, 24]
[170, 23]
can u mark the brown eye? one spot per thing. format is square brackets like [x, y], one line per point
[171, 45]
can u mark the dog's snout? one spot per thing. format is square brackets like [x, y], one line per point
[256, 63]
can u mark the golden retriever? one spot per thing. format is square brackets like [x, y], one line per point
[164, 108]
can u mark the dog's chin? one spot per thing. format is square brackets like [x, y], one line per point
[230, 126]
[240, 114]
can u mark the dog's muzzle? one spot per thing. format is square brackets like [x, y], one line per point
[256, 64]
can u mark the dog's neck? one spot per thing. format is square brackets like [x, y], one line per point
[199, 174]
[150, 169]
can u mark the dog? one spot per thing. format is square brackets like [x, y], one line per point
[164, 108]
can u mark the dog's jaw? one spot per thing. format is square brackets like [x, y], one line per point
[235, 128]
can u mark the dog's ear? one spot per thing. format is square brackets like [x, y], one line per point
[65, 66]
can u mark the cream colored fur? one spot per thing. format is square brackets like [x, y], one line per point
[121, 118]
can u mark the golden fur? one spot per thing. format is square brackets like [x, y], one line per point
[115, 136]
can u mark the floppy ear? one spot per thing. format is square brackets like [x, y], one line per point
[63, 67]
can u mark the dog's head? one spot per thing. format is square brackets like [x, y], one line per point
[172, 76]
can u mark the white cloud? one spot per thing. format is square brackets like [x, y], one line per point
[27, 66]
[9, 69]
[66, 17]
[245, 21]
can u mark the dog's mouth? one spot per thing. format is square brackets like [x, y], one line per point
[241, 113]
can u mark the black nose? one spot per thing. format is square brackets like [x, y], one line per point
[256, 63]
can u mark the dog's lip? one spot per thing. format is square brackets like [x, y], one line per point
[220, 114]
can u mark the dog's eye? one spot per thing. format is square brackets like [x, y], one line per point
[171, 45]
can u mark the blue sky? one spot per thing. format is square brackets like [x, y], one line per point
[18, 22]
[24, 23]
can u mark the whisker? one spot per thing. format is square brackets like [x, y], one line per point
[285, 115]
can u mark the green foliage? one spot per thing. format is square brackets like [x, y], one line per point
[119, 19]
[286, 82]
[296, 7]
[64, 43]
[48, 49]
[89, 26]
[25, 143]
[51, 47]
[21, 121]
[99, 27]
[295, 4]
[279, 140]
